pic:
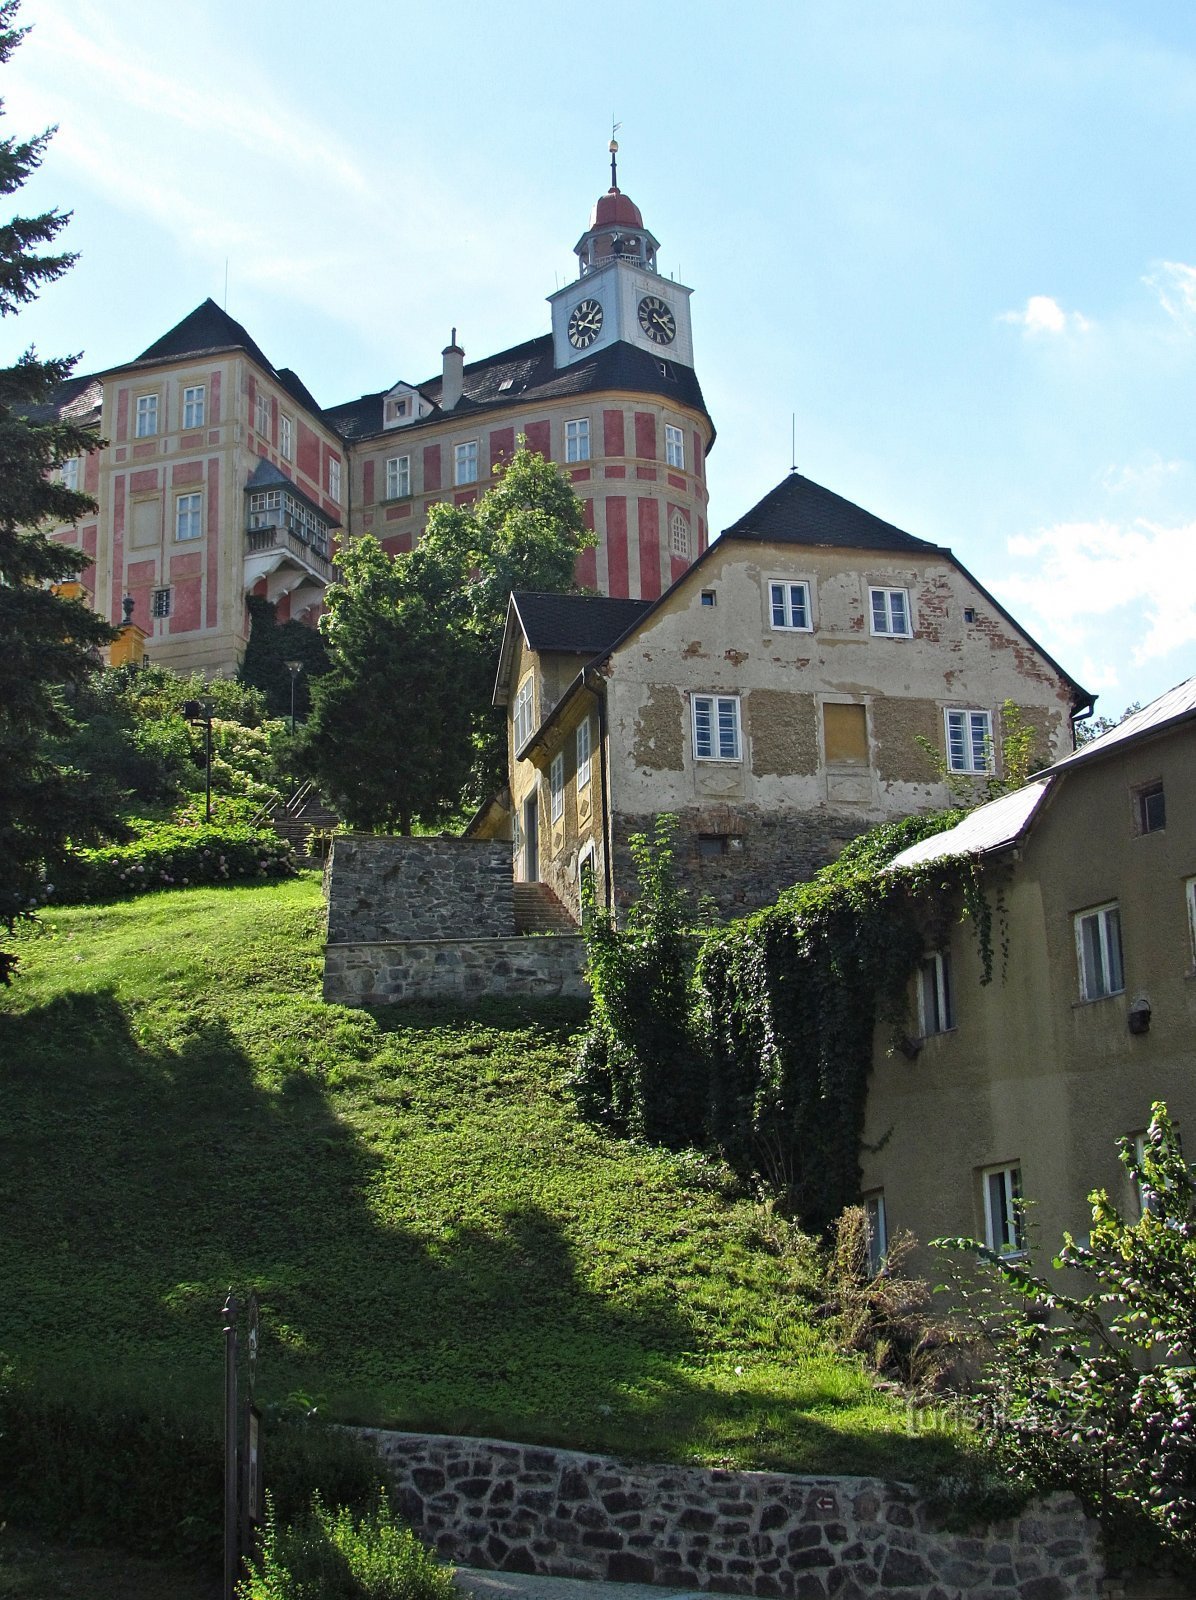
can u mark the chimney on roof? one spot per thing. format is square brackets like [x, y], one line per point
[453, 380]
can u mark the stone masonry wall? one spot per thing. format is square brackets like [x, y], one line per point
[380, 889]
[523, 1508]
[383, 974]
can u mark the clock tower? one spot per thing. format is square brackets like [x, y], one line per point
[619, 295]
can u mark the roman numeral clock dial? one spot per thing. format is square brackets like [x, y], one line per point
[657, 319]
[585, 324]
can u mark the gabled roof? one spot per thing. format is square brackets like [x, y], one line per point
[525, 374]
[77, 399]
[569, 624]
[799, 511]
[209, 331]
[995, 826]
[1175, 706]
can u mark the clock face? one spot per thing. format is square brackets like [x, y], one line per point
[585, 324]
[657, 320]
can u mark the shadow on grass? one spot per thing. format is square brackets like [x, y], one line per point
[140, 1179]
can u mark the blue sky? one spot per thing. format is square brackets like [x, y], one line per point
[955, 240]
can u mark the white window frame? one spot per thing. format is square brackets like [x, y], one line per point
[465, 463]
[161, 602]
[523, 713]
[194, 405]
[556, 786]
[969, 736]
[679, 535]
[577, 439]
[261, 415]
[334, 479]
[883, 606]
[674, 447]
[188, 515]
[398, 477]
[1004, 1225]
[1190, 897]
[785, 611]
[717, 729]
[1100, 959]
[584, 755]
[1144, 794]
[878, 1231]
[145, 420]
[936, 998]
[286, 437]
[68, 474]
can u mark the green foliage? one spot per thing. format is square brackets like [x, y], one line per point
[1020, 756]
[172, 855]
[402, 728]
[49, 642]
[1095, 1390]
[180, 1110]
[271, 645]
[636, 1063]
[1092, 729]
[334, 1555]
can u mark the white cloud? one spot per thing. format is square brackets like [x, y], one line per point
[1044, 315]
[1149, 474]
[1110, 589]
[1175, 285]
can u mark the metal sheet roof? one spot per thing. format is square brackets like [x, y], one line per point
[995, 826]
[1173, 706]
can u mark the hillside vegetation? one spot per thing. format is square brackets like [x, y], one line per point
[438, 1241]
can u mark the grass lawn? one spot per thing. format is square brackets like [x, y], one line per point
[438, 1242]
[33, 1569]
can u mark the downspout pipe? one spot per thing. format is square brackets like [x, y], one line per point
[593, 681]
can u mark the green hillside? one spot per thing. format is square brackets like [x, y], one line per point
[437, 1241]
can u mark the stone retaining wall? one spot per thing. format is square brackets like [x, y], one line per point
[383, 974]
[523, 1508]
[393, 888]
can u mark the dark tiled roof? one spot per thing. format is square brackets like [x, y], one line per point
[579, 624]
[78, 400]
[800, 512]
[524, 375]
[209, 331]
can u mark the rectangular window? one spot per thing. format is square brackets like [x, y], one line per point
[716, 727]
[936, 1006]
[398, 478]
[969, 741]
[583, 755]
[1098, 951]
[193, 406]
[674, 447]
[187, 524]
[556, 786]
[1003, 1210]
[147, 416]
[890, 612]
[878, 1231]
[1190, 893]
[789, 605]
[1151, 807]
[845, 734]
[159, 602]
[68, 474]
[261, 415]
[577, 439]
[465, 462]
[709, 598]
[334, 479]
[523, 713]
[286, 438]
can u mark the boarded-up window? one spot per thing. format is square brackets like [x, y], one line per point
[147, 523]
[846, 732]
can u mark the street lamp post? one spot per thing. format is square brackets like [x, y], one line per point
[200, 712]
[294, 668]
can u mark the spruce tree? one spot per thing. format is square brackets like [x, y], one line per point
[49, 643]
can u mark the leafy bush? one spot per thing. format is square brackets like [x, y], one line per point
[333, 1555]
[1096, 1391]
[170, 855]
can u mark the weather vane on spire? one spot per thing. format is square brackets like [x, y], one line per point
[614, 153]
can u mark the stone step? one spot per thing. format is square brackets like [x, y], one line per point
[537, 910]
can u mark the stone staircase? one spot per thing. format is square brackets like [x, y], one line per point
[297, 818]
[537, 910]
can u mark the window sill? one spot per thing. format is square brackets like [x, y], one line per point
[720, 761]
[1098, 999]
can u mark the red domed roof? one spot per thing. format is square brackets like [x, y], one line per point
[617, 209]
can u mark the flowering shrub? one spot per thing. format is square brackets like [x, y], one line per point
[167, 855]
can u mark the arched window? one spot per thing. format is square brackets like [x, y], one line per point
[680, 530]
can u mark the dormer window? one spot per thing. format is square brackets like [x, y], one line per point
[401, 407]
